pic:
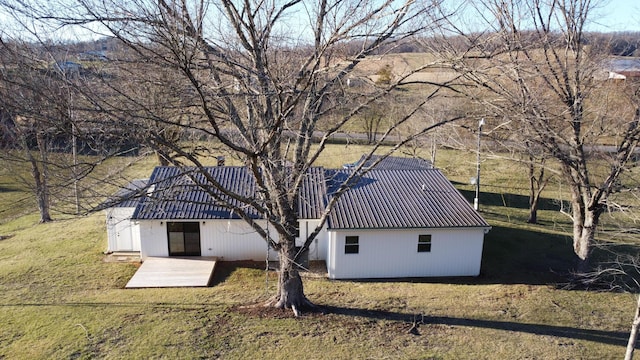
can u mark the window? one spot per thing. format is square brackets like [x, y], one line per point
[351, 245]
[184, 238]
[424, 243]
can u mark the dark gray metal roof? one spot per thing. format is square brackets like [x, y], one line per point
[174, 195]
[183, 193]
[313, 194]
[392, 163]
[408, 196]
[392, 199]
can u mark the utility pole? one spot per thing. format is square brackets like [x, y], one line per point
[476, 202]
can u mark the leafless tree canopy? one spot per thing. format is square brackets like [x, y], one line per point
[536, 76]
[43, 126]
[258, 79]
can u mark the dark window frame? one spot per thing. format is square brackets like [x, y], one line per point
[424, 243]
[191, 237]
[352, 244]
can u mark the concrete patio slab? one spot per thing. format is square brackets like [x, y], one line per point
[173, 272]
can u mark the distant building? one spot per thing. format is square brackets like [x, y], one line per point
[616, 76]
[620, 69]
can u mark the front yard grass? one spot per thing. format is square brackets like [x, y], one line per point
[60, 300]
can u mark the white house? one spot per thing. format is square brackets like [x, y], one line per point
[402, 219]
[404, 223]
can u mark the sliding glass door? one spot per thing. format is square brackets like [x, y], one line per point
[184, 238]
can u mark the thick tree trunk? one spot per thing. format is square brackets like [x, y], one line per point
[42, 186]
[582, 248]
[533, 213]
[533, 203]
[584, 229]
[290, 289]
[536, 186]
[585, 221]
[582, 243]
[41, 193]
[633, 336]
[40, 180]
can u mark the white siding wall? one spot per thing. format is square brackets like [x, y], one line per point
[226, 240]
[393, 253]
[122, 233]
[232, 240]
[153, 238]
[318, 248]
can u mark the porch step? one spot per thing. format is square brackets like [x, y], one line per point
[123, 256]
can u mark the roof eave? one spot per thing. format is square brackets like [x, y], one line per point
[486, 227]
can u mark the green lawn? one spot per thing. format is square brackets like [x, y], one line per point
[59, 299]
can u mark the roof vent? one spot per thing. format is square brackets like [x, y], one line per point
[424, 187]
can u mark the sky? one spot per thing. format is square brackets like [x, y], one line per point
[609, 16]
[617, 15]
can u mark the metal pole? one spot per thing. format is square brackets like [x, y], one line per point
[75, 163]
[476, 202]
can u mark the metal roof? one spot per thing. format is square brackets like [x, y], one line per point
[392, 163]
[313, 194]
[128, 196]
[392, 199]
[410, 195]
[184, 193]
[623, 64]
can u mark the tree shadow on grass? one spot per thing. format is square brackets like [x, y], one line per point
[518, 256]
[511, 200]
[224, 269]
[4, 189]
[617, 338]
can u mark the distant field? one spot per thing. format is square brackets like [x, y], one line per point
[402, 64]
[59, 299]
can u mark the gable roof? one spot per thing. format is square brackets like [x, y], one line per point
[392, 163]
[175, 195]
[391, 199]
[404, 194]
[128, 196]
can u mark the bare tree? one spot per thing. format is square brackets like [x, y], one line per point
[538, 180]
[633, 334]
[619, 272]
[49, 127]
[35, 113]
[372, 120]
[534, 67]
[261, 75]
